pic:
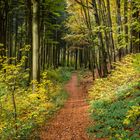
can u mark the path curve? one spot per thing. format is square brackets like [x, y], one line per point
[72, 120]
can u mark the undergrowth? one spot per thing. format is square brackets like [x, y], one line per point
[115, 102]
[22, 111]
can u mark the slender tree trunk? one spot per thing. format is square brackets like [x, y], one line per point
[76, 59]
[111, 33]
[125, 23]
[35, 33]
[134, 32]
[118, 4]
[102, 47]
[103, 17]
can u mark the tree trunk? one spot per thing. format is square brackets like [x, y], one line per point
[110, 33]
[118, 4]
[35, 33]
[102, 47]
[125, 23]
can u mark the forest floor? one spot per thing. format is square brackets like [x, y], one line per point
[71, 121]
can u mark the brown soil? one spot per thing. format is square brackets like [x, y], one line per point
[72, 120]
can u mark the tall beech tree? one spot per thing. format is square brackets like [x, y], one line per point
[35, 33]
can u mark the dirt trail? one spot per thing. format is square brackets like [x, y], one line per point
[72, 120]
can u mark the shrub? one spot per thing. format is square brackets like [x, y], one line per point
[21, 109]
[114, 103]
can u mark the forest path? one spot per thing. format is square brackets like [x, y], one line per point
[72, 120]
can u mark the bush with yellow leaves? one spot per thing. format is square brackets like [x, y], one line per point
[124, 74]
[21, 109]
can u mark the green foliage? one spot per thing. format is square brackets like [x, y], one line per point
[60, 75]
[132, 115]
[115, 103]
